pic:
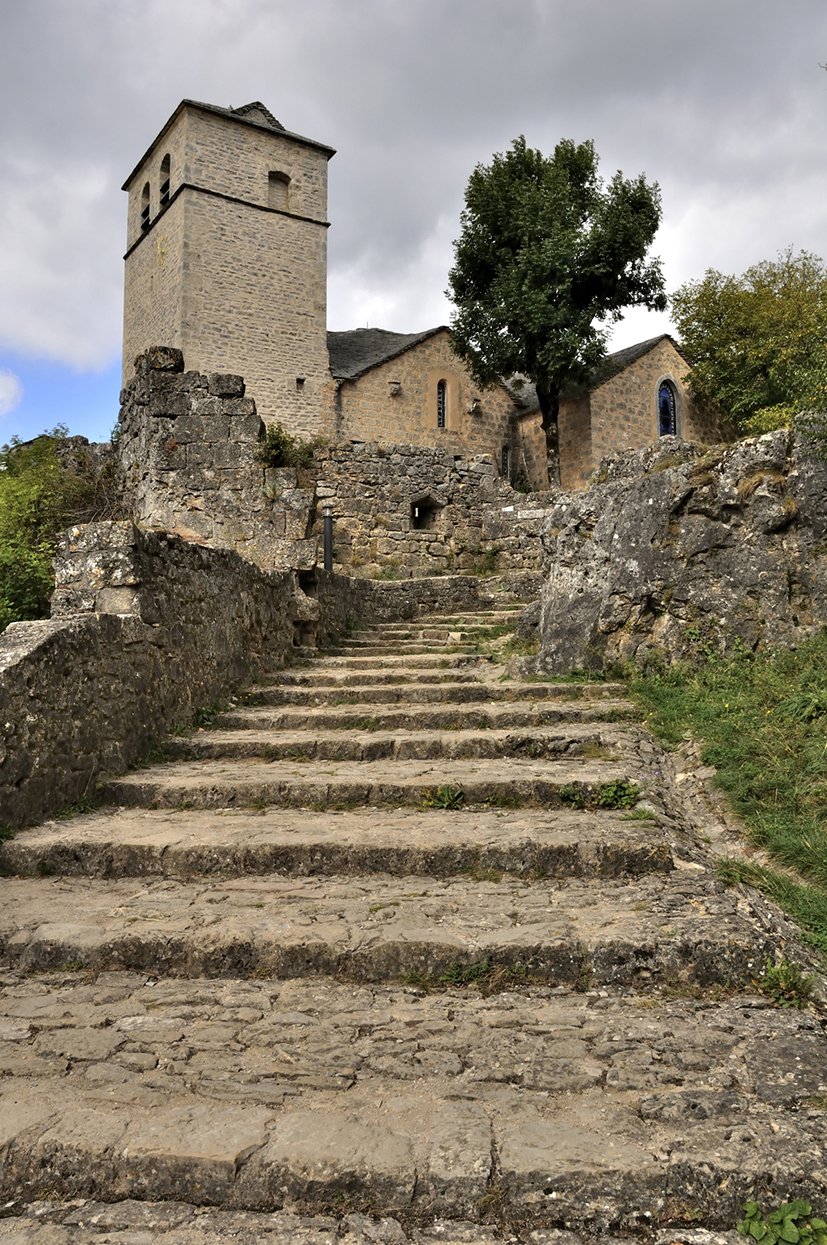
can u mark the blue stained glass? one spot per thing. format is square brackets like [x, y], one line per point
[666, 409]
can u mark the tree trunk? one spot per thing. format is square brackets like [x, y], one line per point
[549, 400]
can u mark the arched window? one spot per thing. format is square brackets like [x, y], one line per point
[667, 410]
[165, 170]
[441, 403]
[277, 190]
[145, 207]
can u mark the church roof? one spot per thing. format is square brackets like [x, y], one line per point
[248, 114]
[526, 394]
[356, 351]
[620, 359]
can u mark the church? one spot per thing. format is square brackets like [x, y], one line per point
[226, 260]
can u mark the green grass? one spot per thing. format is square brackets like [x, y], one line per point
[762, 722]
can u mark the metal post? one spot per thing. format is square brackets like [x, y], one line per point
[327, 511]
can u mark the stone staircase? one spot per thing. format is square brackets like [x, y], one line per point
[400, 950]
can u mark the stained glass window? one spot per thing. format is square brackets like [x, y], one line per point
[667, 417]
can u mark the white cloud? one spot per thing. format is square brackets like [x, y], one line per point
[725, 105]
[11, 391]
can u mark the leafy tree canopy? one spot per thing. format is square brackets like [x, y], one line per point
[758, 343]
[549, 253]
[40, 494]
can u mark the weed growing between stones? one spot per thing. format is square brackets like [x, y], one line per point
[83, 804]
[791, 1222]
[6, 832]
[483, 975]
[204, 717]
[786, 984]
[762, 722]
[443, 797]
[617, 794]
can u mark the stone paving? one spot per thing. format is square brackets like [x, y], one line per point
[442, 995]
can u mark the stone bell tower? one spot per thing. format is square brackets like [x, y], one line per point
[227, 256]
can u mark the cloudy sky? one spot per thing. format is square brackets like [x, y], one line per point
[723, 102]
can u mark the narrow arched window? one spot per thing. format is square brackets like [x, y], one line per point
[165, 171]
[667, 410]
[278, 189]
[504, 464]
[441, 403]
[145, 207]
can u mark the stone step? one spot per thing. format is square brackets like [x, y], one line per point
[438, 660]
[569, 739]
[245, 784]
[321, 676]
[380, 927]
[558, 843]
[276, 1100]
[460, 634]
[425, 693]
[413, 648]
[426, 717]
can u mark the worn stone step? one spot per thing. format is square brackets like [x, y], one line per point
[459, 634]
[377, 717]
[378, 927]
[558, 843]
[439, 660]
[414, 648]
[424, 693]
[239, 784]
[321, 676]
[274, 1100]
[575, 739]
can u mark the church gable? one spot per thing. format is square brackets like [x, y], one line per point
[413, 389]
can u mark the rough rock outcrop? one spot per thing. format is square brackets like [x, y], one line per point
[678, 546]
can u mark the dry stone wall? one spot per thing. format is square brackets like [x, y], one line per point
[187, 452]
[680, 548]
[403, 510]
[146, 627]
[188, 455]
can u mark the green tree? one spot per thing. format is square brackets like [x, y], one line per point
[757, 343]
[548, 255]
[42, 492]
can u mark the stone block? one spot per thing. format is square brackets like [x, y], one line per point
[160, 359]
[226, 386]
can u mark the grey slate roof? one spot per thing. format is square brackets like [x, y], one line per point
[356, 351]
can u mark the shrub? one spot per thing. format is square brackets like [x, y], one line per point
[46, 485]
[281, 449]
